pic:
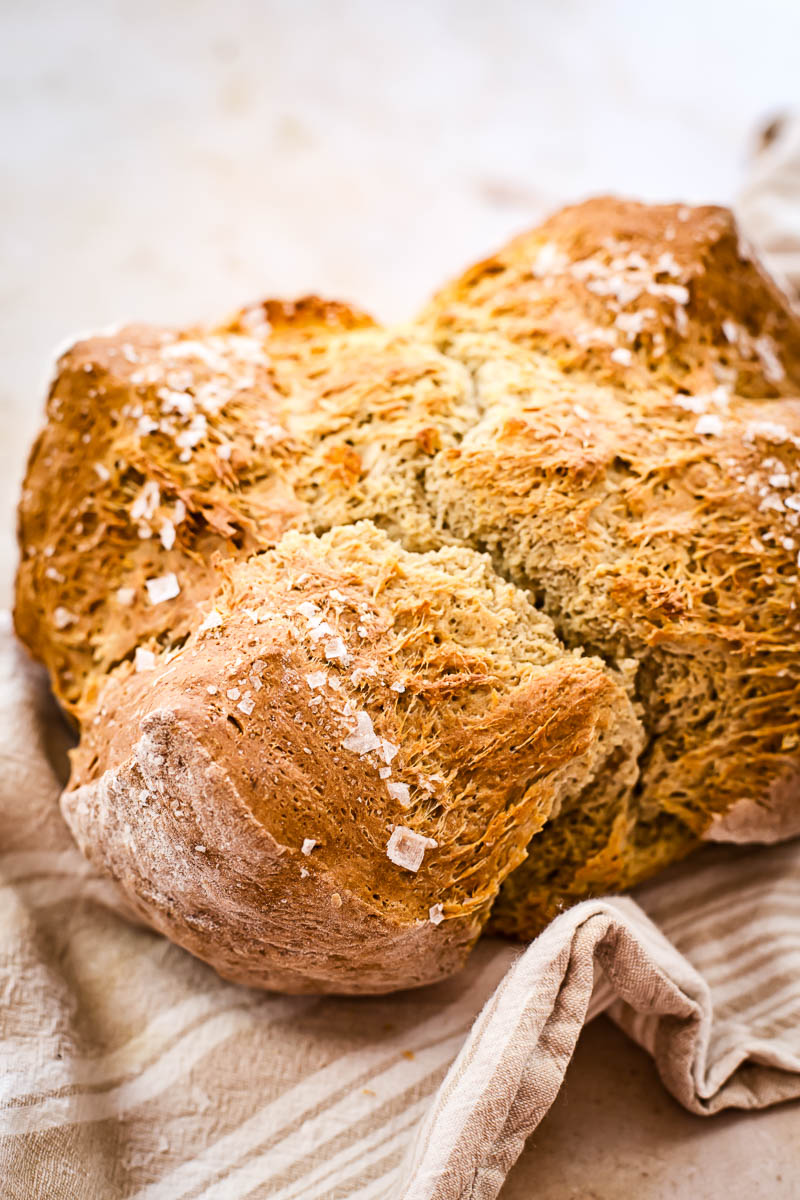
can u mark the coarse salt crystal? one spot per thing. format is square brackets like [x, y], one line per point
[363, 738]
[167, 534]
[212, 689]
[336, 649]
[164, 587]
[406, 848]
[146, 425]
[397, 686]
[695, 404]
[709, 423]
[146, 502]
[384, 772]
[307, 846]
[388, 750]
[246, 704]
[212, 621]
[771, 431]
[233, 693]
[436, 914]
[550, 259]
[144, 660]
[319, 629]
[316, 679]
[400, 792]
[307, 609]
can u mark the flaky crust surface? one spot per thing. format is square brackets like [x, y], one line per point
[543, 545]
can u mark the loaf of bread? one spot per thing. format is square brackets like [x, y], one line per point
[373, 637]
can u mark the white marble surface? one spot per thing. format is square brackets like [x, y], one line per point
[168, 160]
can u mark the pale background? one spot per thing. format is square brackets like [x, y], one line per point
[166, 161]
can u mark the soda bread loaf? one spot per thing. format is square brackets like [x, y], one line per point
[375, 636]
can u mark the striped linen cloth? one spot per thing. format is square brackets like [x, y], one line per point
[129, 1069]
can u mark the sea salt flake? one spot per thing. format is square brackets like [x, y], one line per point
[233, 693]
[212, 689]
[146, 425]
[164, 587]
[436, 914]
[62, 617]
[246, 704]
[406, 848]
[307, 609]
[336, 649]
[384, 772]
[401, 793]
[144, 660]
[307, 846]
[771, 431]
[709, 423]
[316, 679]
[363, 739]
[388, 750]
[147, 501]
[397, 686]
[212, 621]
[167, 534]
[320, 630]
[550, 259]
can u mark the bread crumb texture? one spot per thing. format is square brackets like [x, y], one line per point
[375, 636]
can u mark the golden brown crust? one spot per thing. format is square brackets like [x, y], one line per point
[634, 294]
[342, 688]
[608, 408]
